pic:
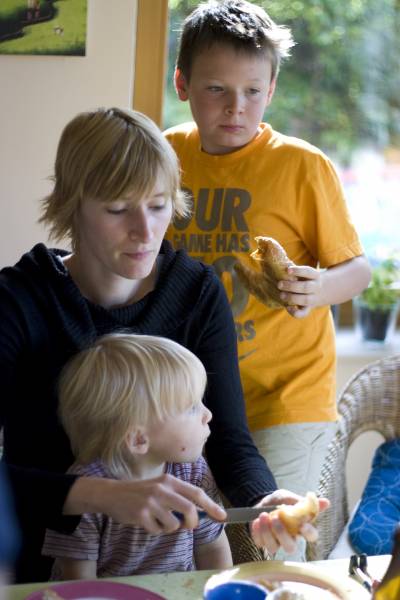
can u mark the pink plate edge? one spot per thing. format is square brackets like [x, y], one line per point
[97, 588]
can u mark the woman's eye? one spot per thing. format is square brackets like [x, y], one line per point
[116, 208]
[158, 207]
[215, 88]
[253, 91]
[116, 211]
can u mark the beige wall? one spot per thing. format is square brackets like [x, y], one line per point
[38, 96]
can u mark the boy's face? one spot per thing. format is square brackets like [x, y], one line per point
[228, 92]
[180, 438]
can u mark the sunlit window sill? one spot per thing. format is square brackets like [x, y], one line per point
[349, 345]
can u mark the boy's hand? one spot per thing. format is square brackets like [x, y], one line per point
[333, 285]
[304, 293]
[269, 532]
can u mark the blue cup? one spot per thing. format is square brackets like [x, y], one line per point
[236, 590]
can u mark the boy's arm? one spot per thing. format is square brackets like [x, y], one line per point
[213, 555]
[316, 287]
[71, 568]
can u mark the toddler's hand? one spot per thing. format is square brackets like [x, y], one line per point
[269, 532]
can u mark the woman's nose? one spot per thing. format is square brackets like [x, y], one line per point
[139, 226]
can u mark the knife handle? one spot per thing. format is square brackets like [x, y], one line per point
[180, 516]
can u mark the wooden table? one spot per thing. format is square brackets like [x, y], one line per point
[189, 586]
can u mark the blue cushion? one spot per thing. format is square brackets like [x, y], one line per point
[372, 527]
[8, 527]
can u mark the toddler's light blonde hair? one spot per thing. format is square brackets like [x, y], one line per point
[108, 154]
[121, 382]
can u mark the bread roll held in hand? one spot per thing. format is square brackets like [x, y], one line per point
[274, 263]
[294, 516]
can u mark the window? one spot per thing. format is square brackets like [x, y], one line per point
[340, 90]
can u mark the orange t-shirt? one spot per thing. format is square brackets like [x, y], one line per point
[284, 188]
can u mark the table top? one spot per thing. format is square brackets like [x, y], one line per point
[190, 585]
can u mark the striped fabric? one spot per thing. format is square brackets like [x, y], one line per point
[122, 550]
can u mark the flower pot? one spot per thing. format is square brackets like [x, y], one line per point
[375, 325]
[335, 309]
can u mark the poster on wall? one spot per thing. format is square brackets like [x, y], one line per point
[47, 27]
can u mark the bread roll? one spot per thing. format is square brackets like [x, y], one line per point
[295, 515]
[274, 263]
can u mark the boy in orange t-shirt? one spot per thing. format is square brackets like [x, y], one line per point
[245, 180]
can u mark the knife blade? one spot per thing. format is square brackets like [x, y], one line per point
[244, 514]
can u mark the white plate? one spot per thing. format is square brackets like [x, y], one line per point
[300, 577]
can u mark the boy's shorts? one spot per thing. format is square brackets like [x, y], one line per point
[295, 454]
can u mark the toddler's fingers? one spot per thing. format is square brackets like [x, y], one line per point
[324, 503]
[262, 534]
[309, 532]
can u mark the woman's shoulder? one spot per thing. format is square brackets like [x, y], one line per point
[35, 286]
[32, 267]
[179, 266]
[188, 295]
[193, 287]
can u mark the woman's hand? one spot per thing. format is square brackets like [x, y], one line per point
[269, 532]
[147, 503]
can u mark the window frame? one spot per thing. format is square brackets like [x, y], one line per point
[150, 58]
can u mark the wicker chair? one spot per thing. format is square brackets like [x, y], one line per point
[370, 401]
[242, 546]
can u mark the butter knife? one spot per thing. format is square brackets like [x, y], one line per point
[243, 514]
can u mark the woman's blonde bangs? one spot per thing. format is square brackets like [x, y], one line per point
[109, 154]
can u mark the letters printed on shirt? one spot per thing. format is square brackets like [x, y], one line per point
[221, 230]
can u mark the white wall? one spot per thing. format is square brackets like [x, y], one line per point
[38, 96]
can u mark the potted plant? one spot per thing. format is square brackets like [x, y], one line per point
[377, 306]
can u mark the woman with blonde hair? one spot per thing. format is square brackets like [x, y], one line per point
[116, 189]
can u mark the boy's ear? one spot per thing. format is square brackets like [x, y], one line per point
[271, 91]
[137, 441]
[180, 85]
